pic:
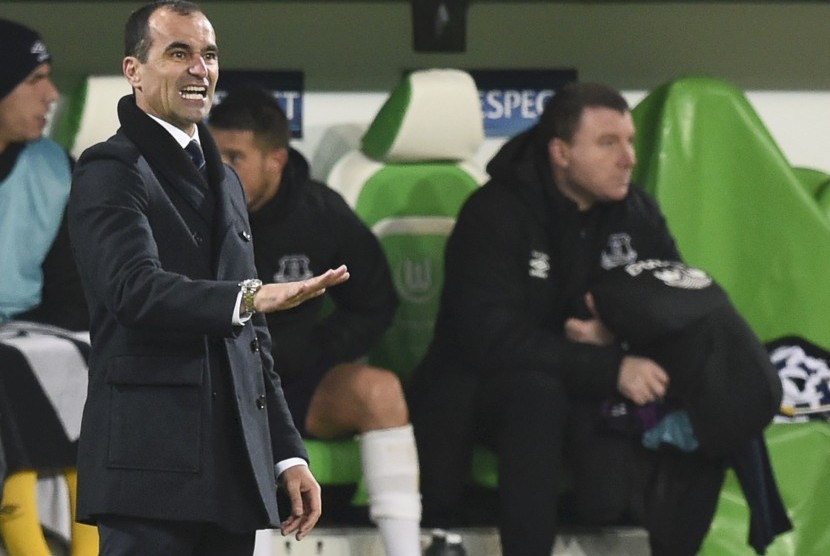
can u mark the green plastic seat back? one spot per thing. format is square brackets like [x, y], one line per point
[736, 206]
[816, 183]
[407, 183]
[89, 115]
[740, 211]
[411, 209]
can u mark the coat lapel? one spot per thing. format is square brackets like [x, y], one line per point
[231, 224]
[230, 203]
[220, 202]
[171, 164]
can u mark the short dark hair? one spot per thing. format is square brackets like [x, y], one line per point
[137, 31]
[252, 108]
[561, 115]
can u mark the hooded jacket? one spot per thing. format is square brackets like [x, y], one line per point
[304, 230]
[680, 317]
[518, 263]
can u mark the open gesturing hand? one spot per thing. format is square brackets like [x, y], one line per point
[279, 297]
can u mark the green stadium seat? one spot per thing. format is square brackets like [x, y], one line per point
[817, 184]
[89, 115]
[407, 182]
[739, 210]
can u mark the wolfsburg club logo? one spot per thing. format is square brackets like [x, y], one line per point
[414, 280]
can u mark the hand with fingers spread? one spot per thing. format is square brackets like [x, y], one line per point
[589, 331]
[306, 502]
[279, 297]
[641, 380]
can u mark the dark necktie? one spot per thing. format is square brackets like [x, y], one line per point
[195, 151]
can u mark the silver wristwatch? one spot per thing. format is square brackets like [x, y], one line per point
[249, 288]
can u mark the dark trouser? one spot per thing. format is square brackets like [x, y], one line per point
[128, 536]
[2, 463]
[442, 419]
[680, 501]
[536, 430]
[523, 417]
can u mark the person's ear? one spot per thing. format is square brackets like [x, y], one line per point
[559, 152]
[278, 158]
[131, 68]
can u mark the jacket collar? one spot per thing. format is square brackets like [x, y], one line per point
[161, 150]
[169, 161]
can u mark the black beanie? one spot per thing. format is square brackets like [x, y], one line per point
[21, 51]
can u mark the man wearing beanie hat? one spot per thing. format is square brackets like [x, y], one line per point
[39, 281]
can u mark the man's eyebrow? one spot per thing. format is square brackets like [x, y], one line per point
[178, 45]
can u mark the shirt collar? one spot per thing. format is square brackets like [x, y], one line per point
[180, 136]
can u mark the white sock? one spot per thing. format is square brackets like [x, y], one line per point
[390, 472]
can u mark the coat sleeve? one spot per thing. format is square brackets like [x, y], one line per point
[115, 246]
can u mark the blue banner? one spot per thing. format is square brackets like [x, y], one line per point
[286, 86]
[512, 100]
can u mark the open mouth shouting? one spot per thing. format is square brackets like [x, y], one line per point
[194, 92]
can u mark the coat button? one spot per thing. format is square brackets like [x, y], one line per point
[260, 402]
[255, 346]
[245, 234]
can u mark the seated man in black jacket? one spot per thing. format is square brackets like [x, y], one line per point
[519, 360]
[301, 226]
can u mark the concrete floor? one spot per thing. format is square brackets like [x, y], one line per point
[482, 541]
[477, 542]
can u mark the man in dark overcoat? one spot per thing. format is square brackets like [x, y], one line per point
[185, 431]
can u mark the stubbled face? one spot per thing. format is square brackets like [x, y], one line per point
[23, 111]
[259, 169]
[178, 79]
[596, 165]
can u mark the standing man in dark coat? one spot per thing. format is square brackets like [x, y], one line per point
[185, 430]
[300, 227]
